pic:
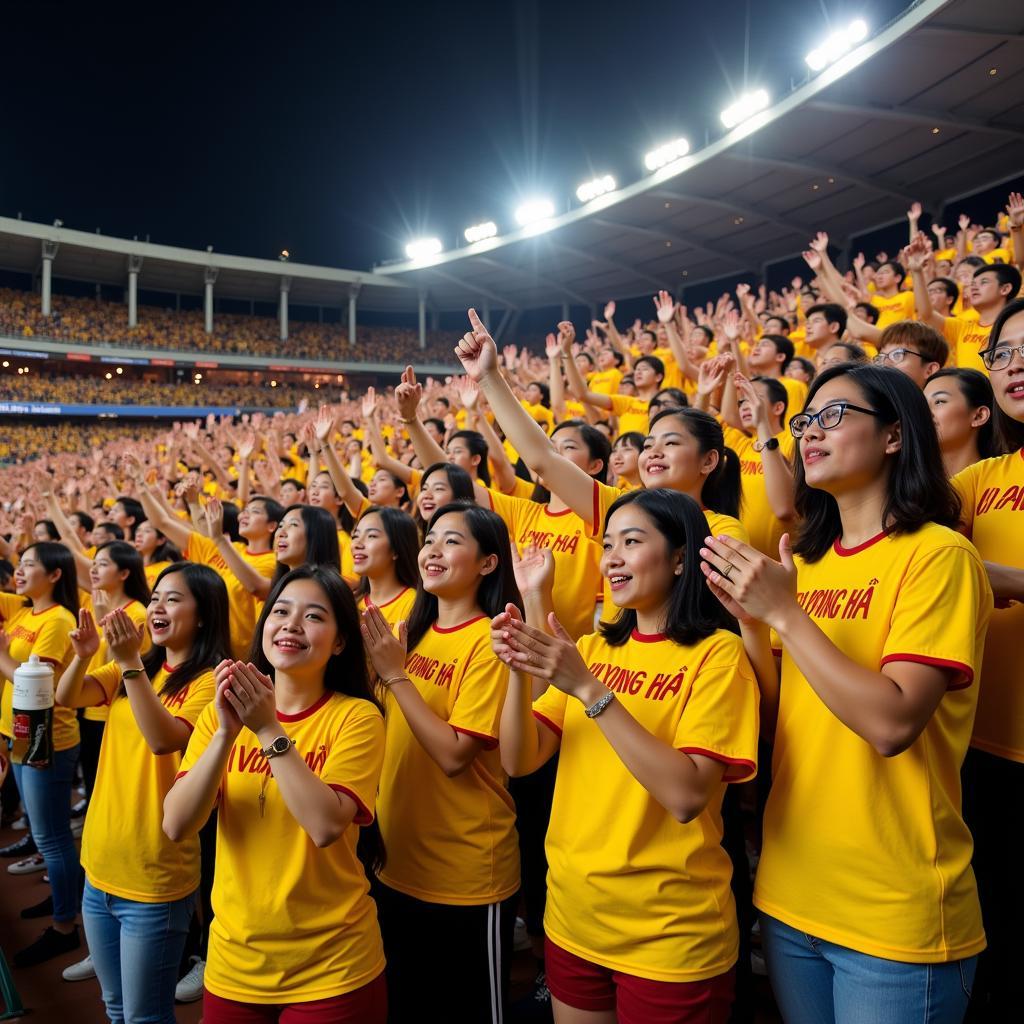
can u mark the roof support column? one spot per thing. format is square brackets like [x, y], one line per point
[485, 312]
[209, 280]
[353, 296]
[423, 320]
[134, 266]
[49, 254]
[565, 310]
[282, 307]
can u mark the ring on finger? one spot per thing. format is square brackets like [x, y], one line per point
[727, 571]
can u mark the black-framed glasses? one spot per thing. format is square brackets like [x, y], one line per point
[1000, 357]
[896, 356]
[828, 418]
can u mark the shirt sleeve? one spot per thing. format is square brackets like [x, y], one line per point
[206, 726]
[53, 643]
[476, 710]
[720, 719]
[201, 549]
[109, 678]
[549, 708]
[10, 604]
[944, 600]
[354, 763]
[604, 497]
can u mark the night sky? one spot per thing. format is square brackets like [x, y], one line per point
[339, 131]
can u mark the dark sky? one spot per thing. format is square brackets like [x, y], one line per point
[340, 130]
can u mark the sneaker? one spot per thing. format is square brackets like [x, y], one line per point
[190, 988]
[22, 848]
[20, 825]
[82, 971]
[77, 827]
[28, 865]
[522, 936]
[78, 810]
[50, 944]
[44, 908]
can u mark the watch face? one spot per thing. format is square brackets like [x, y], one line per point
[280, 745]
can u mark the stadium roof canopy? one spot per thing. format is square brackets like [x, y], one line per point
[914, 113]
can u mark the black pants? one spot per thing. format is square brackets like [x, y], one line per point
[445, 962]
[89, 753]
[533, 794]
[199, 930]
[994, 811]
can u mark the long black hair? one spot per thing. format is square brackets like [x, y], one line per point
[212, 643]
[346, 672]
[404, 539]
[477, 446]
[134, 510]
[977, 391]
[1009, 431]
[124, 556]
[693, 611]
[53, 556]
[918, 490]
[721, 490]
[494, 590]
[459, 481]
[321, 538]
[598, 447]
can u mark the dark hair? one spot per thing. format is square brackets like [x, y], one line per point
[85, 521]
[654, 363]
[298, 484]
[272, 507]
[1006, 273]
[832, 312]
[404, 540]
[54, 556]
[855, 354]
[230, 525]
[545, 393]
[708, 333]
[459, 480]
[896, 267]
[346, 673]
[617, 356]
[783, 346]
[134, 510]
[477, 446]
[809, 367]
[212, 643]
[494, 591]
[6, 570]
[124, 556]
[399, 485]
[583, 353]
[438, 424]
[52, 532]
[949, 286]
[867, 311]
[669, 397]
[598, 446]
[977, 391]
[721, 489]
[918, 490]
[631, 437]
[776, 391]
[778, 318]
[1010, 432]
[321, 539]
[113, 529]
[694, 613]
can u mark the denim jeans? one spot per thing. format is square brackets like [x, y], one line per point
[136, 948]
[46, 794]
[818, 982]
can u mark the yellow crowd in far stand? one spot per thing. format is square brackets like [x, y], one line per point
[772, 536]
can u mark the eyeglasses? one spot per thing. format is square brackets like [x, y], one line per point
[896, 356]
[828, 418]
[1000, 357]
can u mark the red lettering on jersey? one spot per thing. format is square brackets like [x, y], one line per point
[317, 760]
[859, 603]
[177, 700]
[748, 467]
[1010, 496]
[665, 684]
[445, 675]
[821, 604]
[252, 760]
[566, 544]
[420, 665]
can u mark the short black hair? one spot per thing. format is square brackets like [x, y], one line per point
[783, 346]
[949, 286]
[1007, 273]
[867, 311]
[832, 312]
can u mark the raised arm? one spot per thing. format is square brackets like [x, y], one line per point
[577, 385]
[174, 529]
[915, 255]
[408, 395]
[778, 475]
[257, 584]
[503, 473]
[318, 435]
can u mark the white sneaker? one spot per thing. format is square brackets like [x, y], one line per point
[77, 827]
[82, 971]
[521, 939]
[20, 824]
[28, 865]
[190, 988]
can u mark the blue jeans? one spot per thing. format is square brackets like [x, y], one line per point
[136, 949]
[46, 794]
[818, 982]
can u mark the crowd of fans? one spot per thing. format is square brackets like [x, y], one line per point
[90, 321]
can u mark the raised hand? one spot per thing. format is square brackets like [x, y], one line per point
[214, 512]
[858, 262]
[85, 640]
[819, 243]
[748, 393]
[230, 725]
[534, 569]
[940, 233]
[963, 221]
[510, 352]
[323, 425]
[551, 347]
[665, 307]
[551, 656]
[123, 637]
[731, 325]
[812, 259]
[467, 392]
[477, 351]
[914, 213]
[370, 403]
[1015, 209]
[385, 650]
[566, 336]
[250, 694]
[408, 395]
[609, 310]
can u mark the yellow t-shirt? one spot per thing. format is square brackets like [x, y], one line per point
[450, 840]
[630, 887]
[154, 570]
[348, 566]
[137, 613]
[796, 393]
[128, 854]
[762, 525]
[292, 922]
[605, 382]
[893, 308]
[631, 413]
[520, 488]
[46, 635]
[866, 851]
[241, 603]
[966, 337]
[577, 558]
[992, 492]
[540, 415]
[397, 609]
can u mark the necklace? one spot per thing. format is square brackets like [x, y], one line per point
[263, 791]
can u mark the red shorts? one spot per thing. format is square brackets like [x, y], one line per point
[587, 986]
[366, 1005]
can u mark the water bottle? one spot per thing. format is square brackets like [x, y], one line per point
[33, 710]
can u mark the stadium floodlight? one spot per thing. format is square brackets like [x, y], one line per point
[590, 190]
[423, 248]
[478, 232]
[749, 104]
[837, 45]
[666, 154]
[533, 211]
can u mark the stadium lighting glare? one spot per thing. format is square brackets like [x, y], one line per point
[590, 190]
[749, 104]
[837, 45]
[478, 232]
[533, 211]
[666, 154]
[423, 248]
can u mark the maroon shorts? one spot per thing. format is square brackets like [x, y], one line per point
[366, 1005]
[587, 986]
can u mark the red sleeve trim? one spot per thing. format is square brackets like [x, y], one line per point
[777, 652]
[191, 726]
[595, 526]
[489, 742]
[547, 721]
[180, 775]
[736, 767]
[963, 678]
[363, 813]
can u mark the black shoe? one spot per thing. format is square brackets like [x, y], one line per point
[50, 944]
[42, 909]
[24, 847]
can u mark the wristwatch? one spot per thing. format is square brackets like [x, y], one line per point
[277, 747]
[770, 445]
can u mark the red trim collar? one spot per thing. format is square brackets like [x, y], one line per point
[454, 629]
[646, 638]
[555, 515]
[844, 552]
[312, 709]
[401, 593]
